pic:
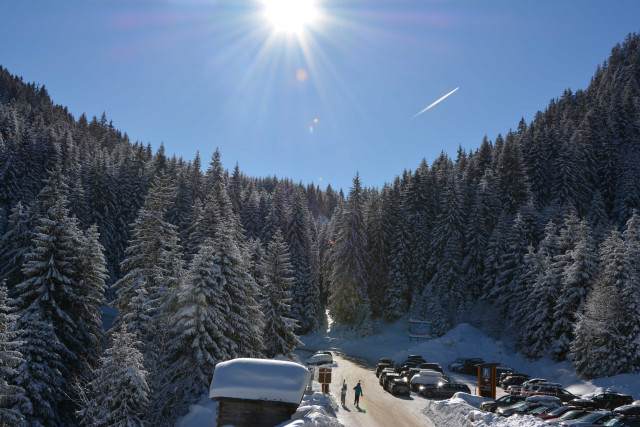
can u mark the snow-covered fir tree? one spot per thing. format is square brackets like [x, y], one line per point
[305, 303]
[40, 375]
[598, 348]
[278, 336]
[11, 395]
[154, 256]
[580, 269]
[199, 336]
[630, 292]
[118, 393]
[244, 316]
[348, 302]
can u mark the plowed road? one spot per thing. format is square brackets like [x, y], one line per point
[377, 407]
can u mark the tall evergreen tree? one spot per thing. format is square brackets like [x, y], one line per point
[598, 348]
[305, 305]
[11, 395]
[118, 395]
[199, 334]
[349, 303]
[580, 269]
[279, 336]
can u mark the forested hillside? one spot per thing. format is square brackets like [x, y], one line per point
[533, 234]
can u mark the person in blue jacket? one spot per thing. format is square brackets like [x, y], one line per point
[358, 390]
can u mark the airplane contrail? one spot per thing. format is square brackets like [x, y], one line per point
[435, 103]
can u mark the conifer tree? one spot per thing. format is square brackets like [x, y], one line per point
[199, 337]
[279, 336]
[630, 293]
[349, 303]
[15, 244]
[537, 332]
[153, 255]
[577, 279]
[305, 296]
[11, 395]
[118, 394]
[598, 348]
[40, 375]
[244, 316]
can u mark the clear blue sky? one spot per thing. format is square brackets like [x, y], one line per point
[198, 75]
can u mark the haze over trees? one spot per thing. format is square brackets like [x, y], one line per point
[535, 232]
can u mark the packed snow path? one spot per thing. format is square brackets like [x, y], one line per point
[377, 407]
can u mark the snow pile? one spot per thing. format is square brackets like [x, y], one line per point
[203, 414]
[316, 410]
[452, 412]
[259, 379]
[461, 411]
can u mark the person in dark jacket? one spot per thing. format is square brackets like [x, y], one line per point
[358, 390]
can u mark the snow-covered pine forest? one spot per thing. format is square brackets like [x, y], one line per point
[534, 234]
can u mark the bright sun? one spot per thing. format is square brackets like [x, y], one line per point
[290, 16]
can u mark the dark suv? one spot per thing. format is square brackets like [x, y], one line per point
[466, 366]
[611, 400]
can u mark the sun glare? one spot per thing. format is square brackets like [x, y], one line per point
[290, 16]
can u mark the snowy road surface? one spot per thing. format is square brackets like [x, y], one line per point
[377, 407]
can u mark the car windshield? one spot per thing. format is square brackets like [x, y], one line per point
[540, 410]
[591, 417]
[519, 405]
[614, 422]
[558, 411]
[571, 415]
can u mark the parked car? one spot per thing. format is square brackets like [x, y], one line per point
[555, 412]
[504, 370]
[507, 400]
[444, 390]
[628, 410]
[562, 394]
[455, 364]
[466, 366]
[583, 403]
[381, 366]
[432, 366]
[406, 365]
[569, 415]
[513, 379]
[424, 378]
[384, 373]
[611, 400]
[388, 378]
[529, 404]
[398, 386]
[517, 408]
[320, 358]
[623, 421]
[590, 419]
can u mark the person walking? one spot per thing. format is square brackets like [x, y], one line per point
[343, 392]
[358, 390]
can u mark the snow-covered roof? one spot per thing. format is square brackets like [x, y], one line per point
[259, 379]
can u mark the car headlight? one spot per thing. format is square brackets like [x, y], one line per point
[421, 387]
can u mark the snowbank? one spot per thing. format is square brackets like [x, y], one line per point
[260, 379]
[316, 410]
[201, 415]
